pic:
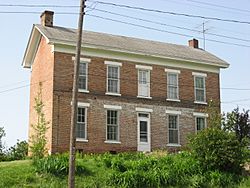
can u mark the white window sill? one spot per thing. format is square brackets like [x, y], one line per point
[174, 100]
[114, 94]
[83, 91]
[200, 102]
[174, 145]
[111, 142]
[81, 140]
[144, 97]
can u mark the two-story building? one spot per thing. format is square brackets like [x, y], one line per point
[134, 94]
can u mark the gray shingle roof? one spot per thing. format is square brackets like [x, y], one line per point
[130, 45]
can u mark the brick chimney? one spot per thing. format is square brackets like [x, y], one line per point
[193, 43]
[47, 18]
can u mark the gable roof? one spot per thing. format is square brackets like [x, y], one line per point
[68, 36]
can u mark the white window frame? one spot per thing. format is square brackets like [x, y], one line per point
[147, 69]
[118, 127]
[85, 106]
[174, 113]
[200, 115]
[203, 76]
[176, 72]
[84, 61]
[117, 65]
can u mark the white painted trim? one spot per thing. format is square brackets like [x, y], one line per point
[113, 94]
[199, 74]
[175, 112]
[174, 100]
[177, 77]
[200, 102]
[111, 142]
[112, 107]
[83, 91]
[143, 67]
[144, 146]
[174, 145]
[178, 126]
[107, 78]
[173, 71]
[143, 97]
[138, 109]
[113, 63]
[138, 58]
[81, 140]
[83, 104]
[82, 59]
[200, 114]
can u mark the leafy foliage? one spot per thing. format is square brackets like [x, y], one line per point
[217, 149]
[18, 151]
[38, 139]
[2, 134]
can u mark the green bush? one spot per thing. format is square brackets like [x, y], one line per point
[216, 149]
[57, 165]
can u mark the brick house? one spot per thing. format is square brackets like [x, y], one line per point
[134, 94]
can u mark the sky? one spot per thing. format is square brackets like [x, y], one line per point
[15, 29]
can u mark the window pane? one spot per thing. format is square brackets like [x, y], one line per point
[200, 121]
[113, 79]
[82, 82]
[113, 72]
[199, 82]
[200, 95]
[112, 125]
[143, 83]
[112, 86]
[80, 126]
[172, 86]
[82, 76]
[143, 131]
[173, 129]
[200, 89]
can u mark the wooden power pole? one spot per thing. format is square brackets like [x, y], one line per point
[71, 178]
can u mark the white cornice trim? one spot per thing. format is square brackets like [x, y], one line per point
[173, 71]
[113, 63]
[143, 67]
[199, 74]
[173, 112]
[83, 104]
[86, 60]
[113, 107]
[199, 114]
[138, 109]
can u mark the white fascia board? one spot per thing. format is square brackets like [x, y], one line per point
[173, 112]
[173, 71]
[82, 59]
[137, 58]
[112, 107]
[138, 109]
[143, 67]
[113, 63]
[83, 104]
[199, 114]
[199, 74]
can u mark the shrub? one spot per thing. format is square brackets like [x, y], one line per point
[57, 165]
[216, 149]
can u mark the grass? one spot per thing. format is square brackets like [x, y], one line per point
[23, 173]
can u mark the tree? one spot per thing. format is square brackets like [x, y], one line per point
[2, 134]
[239, 123]
[18, 151]
[38, 140]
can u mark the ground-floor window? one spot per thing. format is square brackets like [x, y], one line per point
[112, 125]
[173, 129]
[200, 123]
[81, 123]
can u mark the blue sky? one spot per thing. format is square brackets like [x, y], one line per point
[15, 31]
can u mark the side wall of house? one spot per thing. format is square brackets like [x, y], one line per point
[42, 72]
[96, 113]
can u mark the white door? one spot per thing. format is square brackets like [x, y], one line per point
[143, 132]
[143, 81]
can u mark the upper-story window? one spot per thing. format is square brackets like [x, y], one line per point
[200, 87]
[83, 74]
[113, 77]
[143, 81]
[172, 84]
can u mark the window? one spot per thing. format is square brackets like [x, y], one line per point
[200, 123]
[173, 128]
[113, 85]
[199, 87]
[81, 123]
[83, 76]
[144, 83]
[172, 83]
[112, 125]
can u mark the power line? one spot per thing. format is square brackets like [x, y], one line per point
[164, 31]
[38, 6]
[174, 26]
[172, 13]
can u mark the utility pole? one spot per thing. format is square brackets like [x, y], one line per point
[71, 178]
